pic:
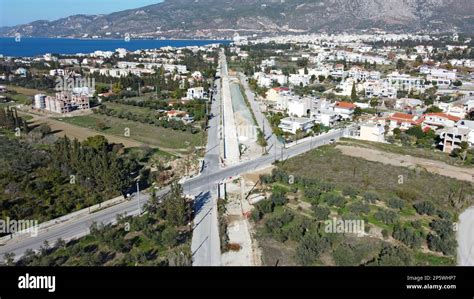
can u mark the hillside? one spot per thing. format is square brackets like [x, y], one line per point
[222, 18]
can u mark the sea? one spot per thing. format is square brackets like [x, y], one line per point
[30, 47]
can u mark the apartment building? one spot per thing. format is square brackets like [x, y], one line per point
[65, 102]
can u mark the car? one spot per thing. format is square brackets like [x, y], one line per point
[332, 141]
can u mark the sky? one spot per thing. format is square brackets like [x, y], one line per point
[15, 12]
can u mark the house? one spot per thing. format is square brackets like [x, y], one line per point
[299, 80]
[436, 120]
[469, 125]
[195, 93]
[273, 95]
[21, 72]
[408, 104]
[379, 89]
[403, 121]
[345, 109]
[451, 138]
[372, 132]
[456, 110]
[173, 114]
[404, 82]
[299, 107]
[293, 124]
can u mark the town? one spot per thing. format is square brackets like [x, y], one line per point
[261, 141]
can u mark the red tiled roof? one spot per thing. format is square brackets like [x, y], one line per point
[345, 105]
[281, 88]
[444, 115]
[402, 116]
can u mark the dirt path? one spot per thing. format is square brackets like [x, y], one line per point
[437, 167]
[61, 129]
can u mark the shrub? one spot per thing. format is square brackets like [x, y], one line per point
[425, 207]
[396, 203]
[408, 236]
[311, 246]
[385, 216]
[371, 197]
[321, 213]
[333, 199]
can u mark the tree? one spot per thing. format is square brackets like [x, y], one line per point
[311, 247]
[321, 213]
[354, 97]
[425, 207]
[97, 142]
[176, 206]
[400, 64]
[392, 256]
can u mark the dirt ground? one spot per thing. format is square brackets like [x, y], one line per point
[239, 229]
[436, 167]
[61, 129]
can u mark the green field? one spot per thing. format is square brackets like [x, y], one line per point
[148, 134]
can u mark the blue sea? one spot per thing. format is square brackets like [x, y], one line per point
[28, 47]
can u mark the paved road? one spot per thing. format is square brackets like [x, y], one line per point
[205, 244]
[262, 121]
[201, 184]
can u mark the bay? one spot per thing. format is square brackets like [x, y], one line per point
[28, 47]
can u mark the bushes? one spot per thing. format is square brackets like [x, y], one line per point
[359, 208]
[311, 246]
[392, 256]
[312, 193]
[333, 199]
[443, 240]
[386, 216]
[278, 198]
[425, 208]
[396, 203]
[371, 197]
[344, 256]
[408, 236]
[321, 213]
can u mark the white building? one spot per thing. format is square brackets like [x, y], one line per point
[299, 107]
[196, 93]
[293, 124]
[40, 101]
[299, 80]
[405, 82]
[468, 125]
[372, 132]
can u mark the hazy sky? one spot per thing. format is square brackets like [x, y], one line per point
[14, 12]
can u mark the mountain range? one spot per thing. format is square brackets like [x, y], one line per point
[224, 18]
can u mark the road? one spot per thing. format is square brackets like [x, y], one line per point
[205, 241]
[262, 121]
[205, 244]
[195, 186]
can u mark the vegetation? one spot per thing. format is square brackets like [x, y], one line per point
[158, 238]
[348, 188]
